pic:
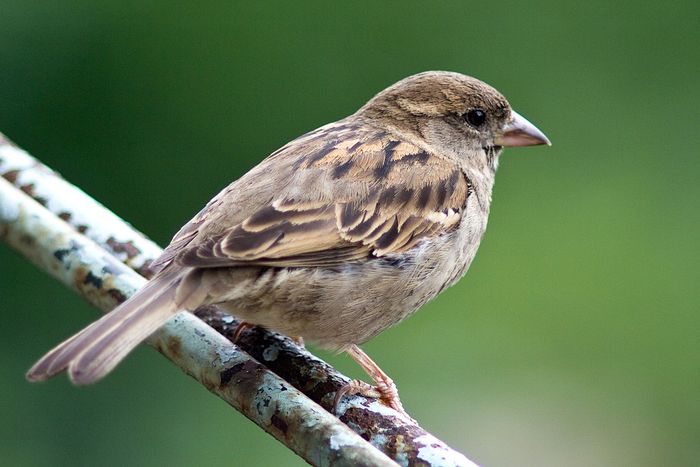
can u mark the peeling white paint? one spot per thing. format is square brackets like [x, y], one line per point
[341, 439]
[271, 353]
[377, 407]
[443, 458]
[9, 212]
[14, 158]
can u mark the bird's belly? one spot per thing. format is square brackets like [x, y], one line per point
[349, 304]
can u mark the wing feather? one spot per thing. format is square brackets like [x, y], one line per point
[337, 195]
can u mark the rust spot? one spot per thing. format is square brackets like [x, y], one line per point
[207, 382]
[241, 372]
[123, 247]
[174, 346]
[117, 295]
[11, 176]
[93, 280]
[79, 276]
[229, 373]
[28, 188]
[65, 216]
[279, 423]
[397, 445]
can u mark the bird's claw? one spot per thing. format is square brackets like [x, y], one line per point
[385, 391]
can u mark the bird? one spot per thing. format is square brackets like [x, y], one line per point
[336, 236]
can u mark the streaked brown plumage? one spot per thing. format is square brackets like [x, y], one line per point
[336, 236]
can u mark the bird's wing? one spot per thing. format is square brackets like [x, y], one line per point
[338, 194]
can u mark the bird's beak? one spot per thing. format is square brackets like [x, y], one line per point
[520, 132]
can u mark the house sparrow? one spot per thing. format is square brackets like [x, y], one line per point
[334, 237]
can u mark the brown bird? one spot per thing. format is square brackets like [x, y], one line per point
[336, 236]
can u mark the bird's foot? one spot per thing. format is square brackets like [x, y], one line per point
[298, 340]
[384, 389]
[386, 393]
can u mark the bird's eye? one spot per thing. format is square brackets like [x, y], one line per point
[475, 117]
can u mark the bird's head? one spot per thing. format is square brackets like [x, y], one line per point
[453, 113]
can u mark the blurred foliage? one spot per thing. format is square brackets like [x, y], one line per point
[574, 339]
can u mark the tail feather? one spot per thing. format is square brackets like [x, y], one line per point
[50, 364]
[97, 349]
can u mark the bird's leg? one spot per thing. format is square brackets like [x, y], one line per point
[385, 389]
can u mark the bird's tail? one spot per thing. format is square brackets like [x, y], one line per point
[96, 350]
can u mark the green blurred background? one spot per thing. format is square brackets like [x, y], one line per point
[574, 339]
